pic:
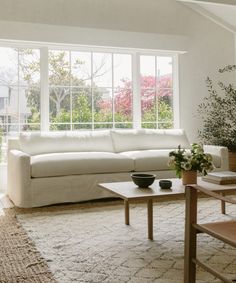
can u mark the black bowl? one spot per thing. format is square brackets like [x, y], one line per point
[165, 184]
[143, 180]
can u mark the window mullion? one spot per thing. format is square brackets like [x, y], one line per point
[112, 91]
[157, 77]
[70, 93]
[92, 91]
[136, 91]
[18, 90]
[175, 90]
[44, 87]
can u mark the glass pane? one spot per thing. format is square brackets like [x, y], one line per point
[29, 99]
[82, 127]
[8, 66]
[59, 68]
[122, 70]
[3, 126]
[59, 127]
[149, 125]
[165, 92]
[166, 125]
[80, 69]
[81, 105]
[123, 104]
[11, 110]
[148, 82]
[3, 142]
[30, 127]
[102, 98]
[103, 126]
[165, 109]
[164, 72]
[102, 69]
[59, 102]
[7, 95]
[148, 105]
[29, 66]
[12, 129]
[124, 126]
[147, 71]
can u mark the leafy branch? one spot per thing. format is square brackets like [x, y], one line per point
[218, 113]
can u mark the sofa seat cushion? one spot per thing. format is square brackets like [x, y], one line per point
[149, 160]
[76, 163]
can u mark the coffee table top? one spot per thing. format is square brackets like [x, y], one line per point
[129, 191]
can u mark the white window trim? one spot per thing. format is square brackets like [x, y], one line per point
[176, 106]
[44, 86]
[135, 54]
[137, 115]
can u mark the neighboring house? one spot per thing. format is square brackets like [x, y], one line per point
[10, 110]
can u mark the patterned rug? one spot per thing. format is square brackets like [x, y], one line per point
[91, 243]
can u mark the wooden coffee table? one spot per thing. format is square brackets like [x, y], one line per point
[129, 192]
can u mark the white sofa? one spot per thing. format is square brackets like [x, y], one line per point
[49, 168]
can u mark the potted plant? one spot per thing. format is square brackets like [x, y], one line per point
[218, 116]
[187, 163]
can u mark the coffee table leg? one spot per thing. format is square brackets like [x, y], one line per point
[150, 219]
[126, 203]
[222, 205]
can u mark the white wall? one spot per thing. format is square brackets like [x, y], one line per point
[152, 16]
[152, 24]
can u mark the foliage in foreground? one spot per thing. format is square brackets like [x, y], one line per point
[218, 113]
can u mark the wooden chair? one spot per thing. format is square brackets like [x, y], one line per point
[224, 231]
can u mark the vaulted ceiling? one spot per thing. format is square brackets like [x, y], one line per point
[221, 11]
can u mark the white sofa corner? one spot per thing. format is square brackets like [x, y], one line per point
[49, 168]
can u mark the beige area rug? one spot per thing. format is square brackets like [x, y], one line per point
[91, 243]
[19, 259]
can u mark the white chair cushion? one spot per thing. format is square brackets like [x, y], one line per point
[52, 142]
[130, 140]
[76, 163]
[149, 160]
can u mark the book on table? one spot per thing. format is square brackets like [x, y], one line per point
[221, 178]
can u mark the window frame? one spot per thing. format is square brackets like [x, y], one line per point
[135, 69]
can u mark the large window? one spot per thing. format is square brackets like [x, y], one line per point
[57, 89]
[89, 90]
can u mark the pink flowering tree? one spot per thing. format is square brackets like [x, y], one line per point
[156, 102]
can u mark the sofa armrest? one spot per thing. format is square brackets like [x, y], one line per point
[219, 152]
[18, 177]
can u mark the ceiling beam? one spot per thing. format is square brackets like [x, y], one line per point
[223, 2]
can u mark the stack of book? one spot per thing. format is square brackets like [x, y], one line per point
[221, 178]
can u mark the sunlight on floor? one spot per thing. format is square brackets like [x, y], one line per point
[1, 206]
[4, 203]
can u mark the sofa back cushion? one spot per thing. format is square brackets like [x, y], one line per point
[52, 142]
[128, 140]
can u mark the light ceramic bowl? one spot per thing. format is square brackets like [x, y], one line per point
[143, 180]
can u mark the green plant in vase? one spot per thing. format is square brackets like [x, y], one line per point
[193, 160]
